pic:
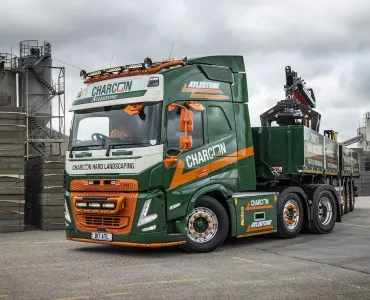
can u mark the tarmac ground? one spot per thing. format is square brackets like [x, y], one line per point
[43, 265]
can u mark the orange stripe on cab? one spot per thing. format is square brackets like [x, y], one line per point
[180, 178]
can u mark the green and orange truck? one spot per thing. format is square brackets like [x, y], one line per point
[163, 154]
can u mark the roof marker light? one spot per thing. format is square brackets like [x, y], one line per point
[83, 74]
[148, 63]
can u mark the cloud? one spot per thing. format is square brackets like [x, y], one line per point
[326, 42]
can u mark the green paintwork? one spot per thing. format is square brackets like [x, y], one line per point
[250, 218]
[226, 129]
[292, 149]
[240, 88]
[331, 156]
[345, 161]
[235, 63]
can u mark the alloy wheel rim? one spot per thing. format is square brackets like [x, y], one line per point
[202, 225]
[291, 214]
[325, 211]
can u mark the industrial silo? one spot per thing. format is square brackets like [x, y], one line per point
[8, 80]
[38, 89]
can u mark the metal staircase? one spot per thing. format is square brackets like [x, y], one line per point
[40, 78]
[45, 127]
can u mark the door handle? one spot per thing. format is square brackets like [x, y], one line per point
[202, 173]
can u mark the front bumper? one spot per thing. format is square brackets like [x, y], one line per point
[129, 244]
[164, 234]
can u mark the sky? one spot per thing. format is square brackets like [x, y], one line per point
[326, 42]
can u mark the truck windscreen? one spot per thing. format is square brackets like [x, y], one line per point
[102, 127]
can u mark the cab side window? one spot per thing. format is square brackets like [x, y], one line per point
[218, 124]
[174, 133]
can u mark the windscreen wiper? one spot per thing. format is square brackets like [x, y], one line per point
[111, 146]
[77, 148]
[82, 147]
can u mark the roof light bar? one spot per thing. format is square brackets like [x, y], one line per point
[90, 74]
[148, 67]
[115, 69]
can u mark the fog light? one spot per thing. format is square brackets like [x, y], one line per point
[94, 205]
[108, 205]
[81, 204]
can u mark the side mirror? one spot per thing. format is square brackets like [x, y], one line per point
[134, 109]
[195, 105]
[170, 161]
[186, 142]
[186, 120]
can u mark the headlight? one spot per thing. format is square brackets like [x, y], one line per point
[108, 205]
[94, 205]
[81, 204]
[144, 219]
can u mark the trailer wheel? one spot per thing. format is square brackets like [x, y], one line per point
[207, 226]
[352, 195]
[324, 210]
[290, 216]
[347, 195]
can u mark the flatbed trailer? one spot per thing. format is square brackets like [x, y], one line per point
[163, 154]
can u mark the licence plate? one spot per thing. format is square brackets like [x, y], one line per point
[101, 236]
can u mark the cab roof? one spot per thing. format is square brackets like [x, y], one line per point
[235, 63]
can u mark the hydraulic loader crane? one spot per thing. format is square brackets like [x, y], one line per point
[297, 108]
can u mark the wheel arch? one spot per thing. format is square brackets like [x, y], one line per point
[300, 192]
[223, 196]
[313, 190]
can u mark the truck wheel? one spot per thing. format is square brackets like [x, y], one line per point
[290, 216]
[324, 210]
[346, 195]
[352, 195]
[207, 226]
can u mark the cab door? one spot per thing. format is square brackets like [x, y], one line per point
[193, 167]
[222, 142]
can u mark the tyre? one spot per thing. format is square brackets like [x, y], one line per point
[290, 216]
[352, 195]
[324, 210]
[346, 195]
[207, 226]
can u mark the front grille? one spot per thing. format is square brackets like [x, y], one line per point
[117, 221]
[110, 222]
[102, 221]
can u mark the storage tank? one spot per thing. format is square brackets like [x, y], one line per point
[8, 80]
[35, 58]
